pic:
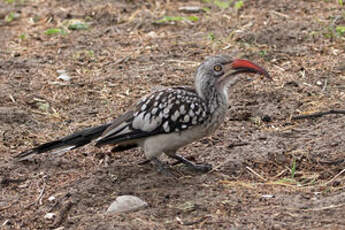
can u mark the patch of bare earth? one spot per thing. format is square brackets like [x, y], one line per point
[271, 171]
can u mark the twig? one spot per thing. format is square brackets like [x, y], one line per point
[183, 62]
[324, 208]
[256, 174]
[8, 206]
[280, 14]
[121, 60]
[335, 162]
[39, 199]
[325, 85]
[238, 144]
[191, 222]
[281, 173]
[12, 98]
[341, 172]
[318, 114]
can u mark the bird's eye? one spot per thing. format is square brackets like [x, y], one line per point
[217, 68]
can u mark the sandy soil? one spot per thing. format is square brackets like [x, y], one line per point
[271, 171]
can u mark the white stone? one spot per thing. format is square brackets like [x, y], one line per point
[267, 196]
[64, 77]
[126, 203]
[60, 228]
[51, 198]
[61, 71]
[152, 34]
[49, 216]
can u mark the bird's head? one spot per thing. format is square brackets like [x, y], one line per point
[221, 72]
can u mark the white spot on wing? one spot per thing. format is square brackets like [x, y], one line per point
[138, 121]
[154, 111]
[166, 110]
[152, 125]
[147, 123]
[191, 113]
[182, 109]
[186, 118]
[166, 126]
[175, 116]
[147, 117]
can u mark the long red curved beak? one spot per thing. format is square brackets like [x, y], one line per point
[242, 65]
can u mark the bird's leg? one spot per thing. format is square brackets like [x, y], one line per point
[144, 162]
[196, 167]
[162, 166]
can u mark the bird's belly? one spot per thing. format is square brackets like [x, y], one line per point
[154, 146]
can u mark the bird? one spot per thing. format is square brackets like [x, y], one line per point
[166, 119]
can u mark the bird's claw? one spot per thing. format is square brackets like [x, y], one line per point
[201, 167]
[163, 167]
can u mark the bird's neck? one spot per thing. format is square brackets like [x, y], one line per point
[215, 97]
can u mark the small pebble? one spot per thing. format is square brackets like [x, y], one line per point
[60, 228]
[7, 222]
[49, 216]
[191, 9]
[61, 71]
[64, 77]
[51, 198]
[267, 196]
[126, 203]
[152, 34]
[266, 118]
[319, 83]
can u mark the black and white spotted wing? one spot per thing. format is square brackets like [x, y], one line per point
[164, 111]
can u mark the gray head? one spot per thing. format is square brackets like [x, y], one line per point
[220, 72]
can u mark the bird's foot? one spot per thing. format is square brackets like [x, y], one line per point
[144, 162]
[203, 168]
[163, 167]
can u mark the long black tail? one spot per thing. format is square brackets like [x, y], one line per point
[70, 142]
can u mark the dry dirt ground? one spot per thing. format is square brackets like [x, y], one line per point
[271, 171]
